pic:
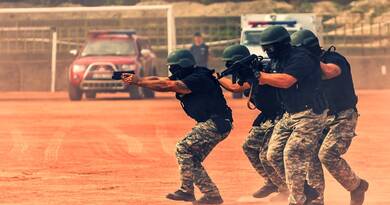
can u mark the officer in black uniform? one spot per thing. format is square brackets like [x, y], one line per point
[341, 121]
[200, 50]
[264, 97]
[295, 136]
[202, 99]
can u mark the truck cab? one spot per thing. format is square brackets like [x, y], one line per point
[103, 53]
[253, 24]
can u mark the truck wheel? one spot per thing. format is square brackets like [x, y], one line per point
[237, 95]
[134, 92]
[148, 93]
[90, 95]
[74, 93]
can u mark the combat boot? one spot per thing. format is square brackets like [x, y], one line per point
[180, 195]
[209, 200]
[357, 195]
[266, 190]
[310, 193]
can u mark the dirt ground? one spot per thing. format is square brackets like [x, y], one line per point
[119, 151]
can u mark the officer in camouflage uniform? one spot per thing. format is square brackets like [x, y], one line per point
[202, 99]
[341, 121]
[265, 99]
[296, 135]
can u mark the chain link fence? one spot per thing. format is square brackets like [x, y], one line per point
[26, 42]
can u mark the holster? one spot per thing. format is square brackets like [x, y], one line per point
[320, 103]
[223, 124]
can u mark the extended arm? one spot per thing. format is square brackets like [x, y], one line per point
[330, 70]
[160, 85]
[235, 88]
[155, 78]
[279, 80]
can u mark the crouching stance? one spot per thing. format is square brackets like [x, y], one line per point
[296, 135]
[201, 98]
[341, 121]
[265, 99]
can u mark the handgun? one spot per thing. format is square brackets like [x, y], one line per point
[117, 75]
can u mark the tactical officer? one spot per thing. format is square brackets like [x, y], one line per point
[202, 99]
[295, 136]
[342, 119]
[256, 145]
[200, 50]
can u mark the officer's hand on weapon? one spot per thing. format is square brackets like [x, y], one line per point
[260, 77]
[130, 79]
[217, 75]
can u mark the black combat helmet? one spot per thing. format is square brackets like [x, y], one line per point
[273, 35]
[234, 53]
[274, 40]
[307, 39]
[181, 63]
[182, 58]
[304, 38]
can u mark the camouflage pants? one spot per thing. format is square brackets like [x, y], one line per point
[255, 148]
[291, 149]
[315, 175]
[336, 143]
[191, 151]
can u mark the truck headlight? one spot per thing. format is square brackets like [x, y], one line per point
[78, 68]
[127, 67]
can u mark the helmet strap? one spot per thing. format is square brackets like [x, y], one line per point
[249, 104]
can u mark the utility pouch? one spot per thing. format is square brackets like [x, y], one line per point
[320, 104]
[223, 125]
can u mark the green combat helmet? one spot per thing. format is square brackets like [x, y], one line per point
[182, 58]
[304, 38]
[234, 53]
[273, 35]
[308, 40]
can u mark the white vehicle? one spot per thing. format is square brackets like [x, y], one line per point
[253, 24]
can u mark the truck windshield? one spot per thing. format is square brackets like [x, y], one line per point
[109, 47]
[253, 37]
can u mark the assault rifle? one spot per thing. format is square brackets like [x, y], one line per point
[246, 70]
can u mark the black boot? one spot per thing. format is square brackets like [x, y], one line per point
[357, 195]
[310, 193]
[209, 200]
[180, 195]
[266, 190]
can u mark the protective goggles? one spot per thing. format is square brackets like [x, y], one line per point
[229, 63]
[174, 68]
[268, 48]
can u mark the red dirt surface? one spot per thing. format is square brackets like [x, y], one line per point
[120, 151]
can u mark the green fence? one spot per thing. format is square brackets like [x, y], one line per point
[22, 38]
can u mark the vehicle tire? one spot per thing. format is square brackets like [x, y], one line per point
[148, 93]
[237, 95]
[90, 95]
[134, 92]
[75, 93]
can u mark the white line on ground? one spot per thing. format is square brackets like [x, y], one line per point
[165, 140]
[51, 152]
[19, 144]
[134, 145]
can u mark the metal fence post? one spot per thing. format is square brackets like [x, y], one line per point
[53, 60]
